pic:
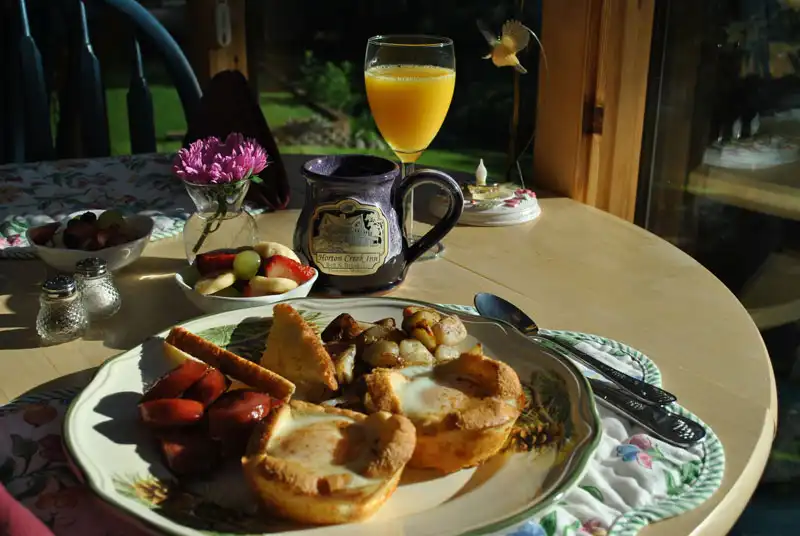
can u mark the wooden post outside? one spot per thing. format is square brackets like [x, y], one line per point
[205, 53]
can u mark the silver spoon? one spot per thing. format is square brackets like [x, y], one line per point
[492, 306]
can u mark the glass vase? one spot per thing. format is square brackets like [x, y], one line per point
[220, 222]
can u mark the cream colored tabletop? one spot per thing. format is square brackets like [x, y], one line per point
[576, 268]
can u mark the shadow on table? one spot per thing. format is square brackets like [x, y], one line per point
[21, 282]
[78, 379]
[151, 302]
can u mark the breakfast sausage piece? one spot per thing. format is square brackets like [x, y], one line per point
[208, 388]
[175, 382]
[189, 451]
[233, 416]
[170, 412]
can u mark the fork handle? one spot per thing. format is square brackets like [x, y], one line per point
[642, 390]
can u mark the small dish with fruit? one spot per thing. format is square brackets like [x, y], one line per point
[108, 234]
[226, 280]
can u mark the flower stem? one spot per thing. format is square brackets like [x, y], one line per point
[222, 208]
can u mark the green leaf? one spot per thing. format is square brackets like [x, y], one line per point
[549, 523]
[247, 331]
[24, 448]
[312, 318]
[594, 491]
[220, 335]
[572, 528]
[690, 471]
[36, 485]
[7, 470]
[250, 336]
[673, 488]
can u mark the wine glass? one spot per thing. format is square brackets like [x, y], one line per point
[410, 81]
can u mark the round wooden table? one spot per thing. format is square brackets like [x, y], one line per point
[575, 268]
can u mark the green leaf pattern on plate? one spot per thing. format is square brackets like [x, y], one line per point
[248, 339]
[173, 501]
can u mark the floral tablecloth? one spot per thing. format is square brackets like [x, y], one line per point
[43, 192]
[34, 470]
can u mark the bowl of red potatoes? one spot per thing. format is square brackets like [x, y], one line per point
[226, 280]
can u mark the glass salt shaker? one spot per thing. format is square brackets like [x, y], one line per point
[62, 316]
[96, 285]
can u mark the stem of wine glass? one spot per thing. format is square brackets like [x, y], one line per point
[407, 169]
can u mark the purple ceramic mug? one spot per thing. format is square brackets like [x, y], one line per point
[350, 225]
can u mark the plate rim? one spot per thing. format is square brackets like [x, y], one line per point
[577, 464]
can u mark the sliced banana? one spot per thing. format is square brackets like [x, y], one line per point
[268, 249]
[211, 285]
[262, 286]
[176, 356]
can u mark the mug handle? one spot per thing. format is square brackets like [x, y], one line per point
[443, 226]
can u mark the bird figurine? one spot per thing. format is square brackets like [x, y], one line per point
[514, 37]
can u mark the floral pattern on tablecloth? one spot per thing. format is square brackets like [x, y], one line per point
[43, 192]
[34, 470]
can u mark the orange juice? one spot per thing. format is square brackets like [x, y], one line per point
[409, 104]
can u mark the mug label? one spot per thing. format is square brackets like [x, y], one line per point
[348, 238]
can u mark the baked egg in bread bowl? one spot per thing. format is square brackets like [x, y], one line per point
[463, 410]
[326, 465]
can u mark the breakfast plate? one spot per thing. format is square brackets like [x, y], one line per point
[115, 455]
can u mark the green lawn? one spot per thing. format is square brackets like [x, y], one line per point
[278, 108]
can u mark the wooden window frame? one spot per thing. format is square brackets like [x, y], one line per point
[206, 55]
[591, 101]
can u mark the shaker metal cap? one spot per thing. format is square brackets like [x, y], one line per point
[60, 286]
[91, 267]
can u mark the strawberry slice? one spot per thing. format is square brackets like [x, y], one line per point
[280, 266]
[247, 291]
[214, 262]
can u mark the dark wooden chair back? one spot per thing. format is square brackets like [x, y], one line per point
[76, 89]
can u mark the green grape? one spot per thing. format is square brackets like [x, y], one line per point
[110, 218]
[246, 264]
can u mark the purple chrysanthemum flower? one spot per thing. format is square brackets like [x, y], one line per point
[209, 161]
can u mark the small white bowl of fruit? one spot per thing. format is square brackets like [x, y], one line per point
[108, 234]
[225, 280]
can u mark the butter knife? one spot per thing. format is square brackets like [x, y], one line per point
[667, 426]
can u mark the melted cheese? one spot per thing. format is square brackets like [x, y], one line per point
[324, 444]
[423, 396]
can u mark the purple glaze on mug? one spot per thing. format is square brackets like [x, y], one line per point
[350, 225]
